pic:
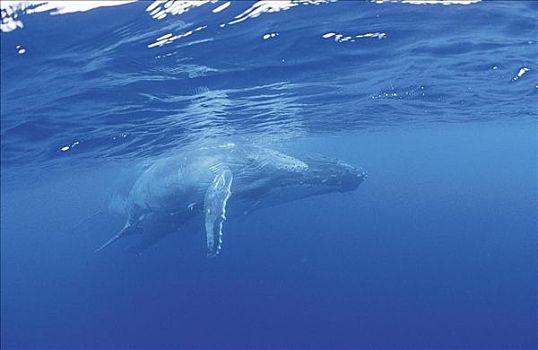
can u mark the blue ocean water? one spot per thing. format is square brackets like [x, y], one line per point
[435, 250]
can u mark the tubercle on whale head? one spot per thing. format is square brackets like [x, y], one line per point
[352, 178]
[335, 175]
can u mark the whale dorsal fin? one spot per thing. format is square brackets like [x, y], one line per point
[216, 197]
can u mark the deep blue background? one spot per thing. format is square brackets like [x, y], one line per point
[437, 249]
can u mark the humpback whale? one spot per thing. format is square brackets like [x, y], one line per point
[202, 181]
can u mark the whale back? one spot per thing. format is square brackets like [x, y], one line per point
[174, 183]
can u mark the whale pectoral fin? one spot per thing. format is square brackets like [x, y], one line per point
[216, 197]
[126, 230]
[107, 243]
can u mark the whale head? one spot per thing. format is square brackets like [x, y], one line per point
[328, 175]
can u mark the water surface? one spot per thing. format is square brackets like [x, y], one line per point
[437, 249]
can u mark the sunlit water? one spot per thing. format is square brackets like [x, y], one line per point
[436, 249]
